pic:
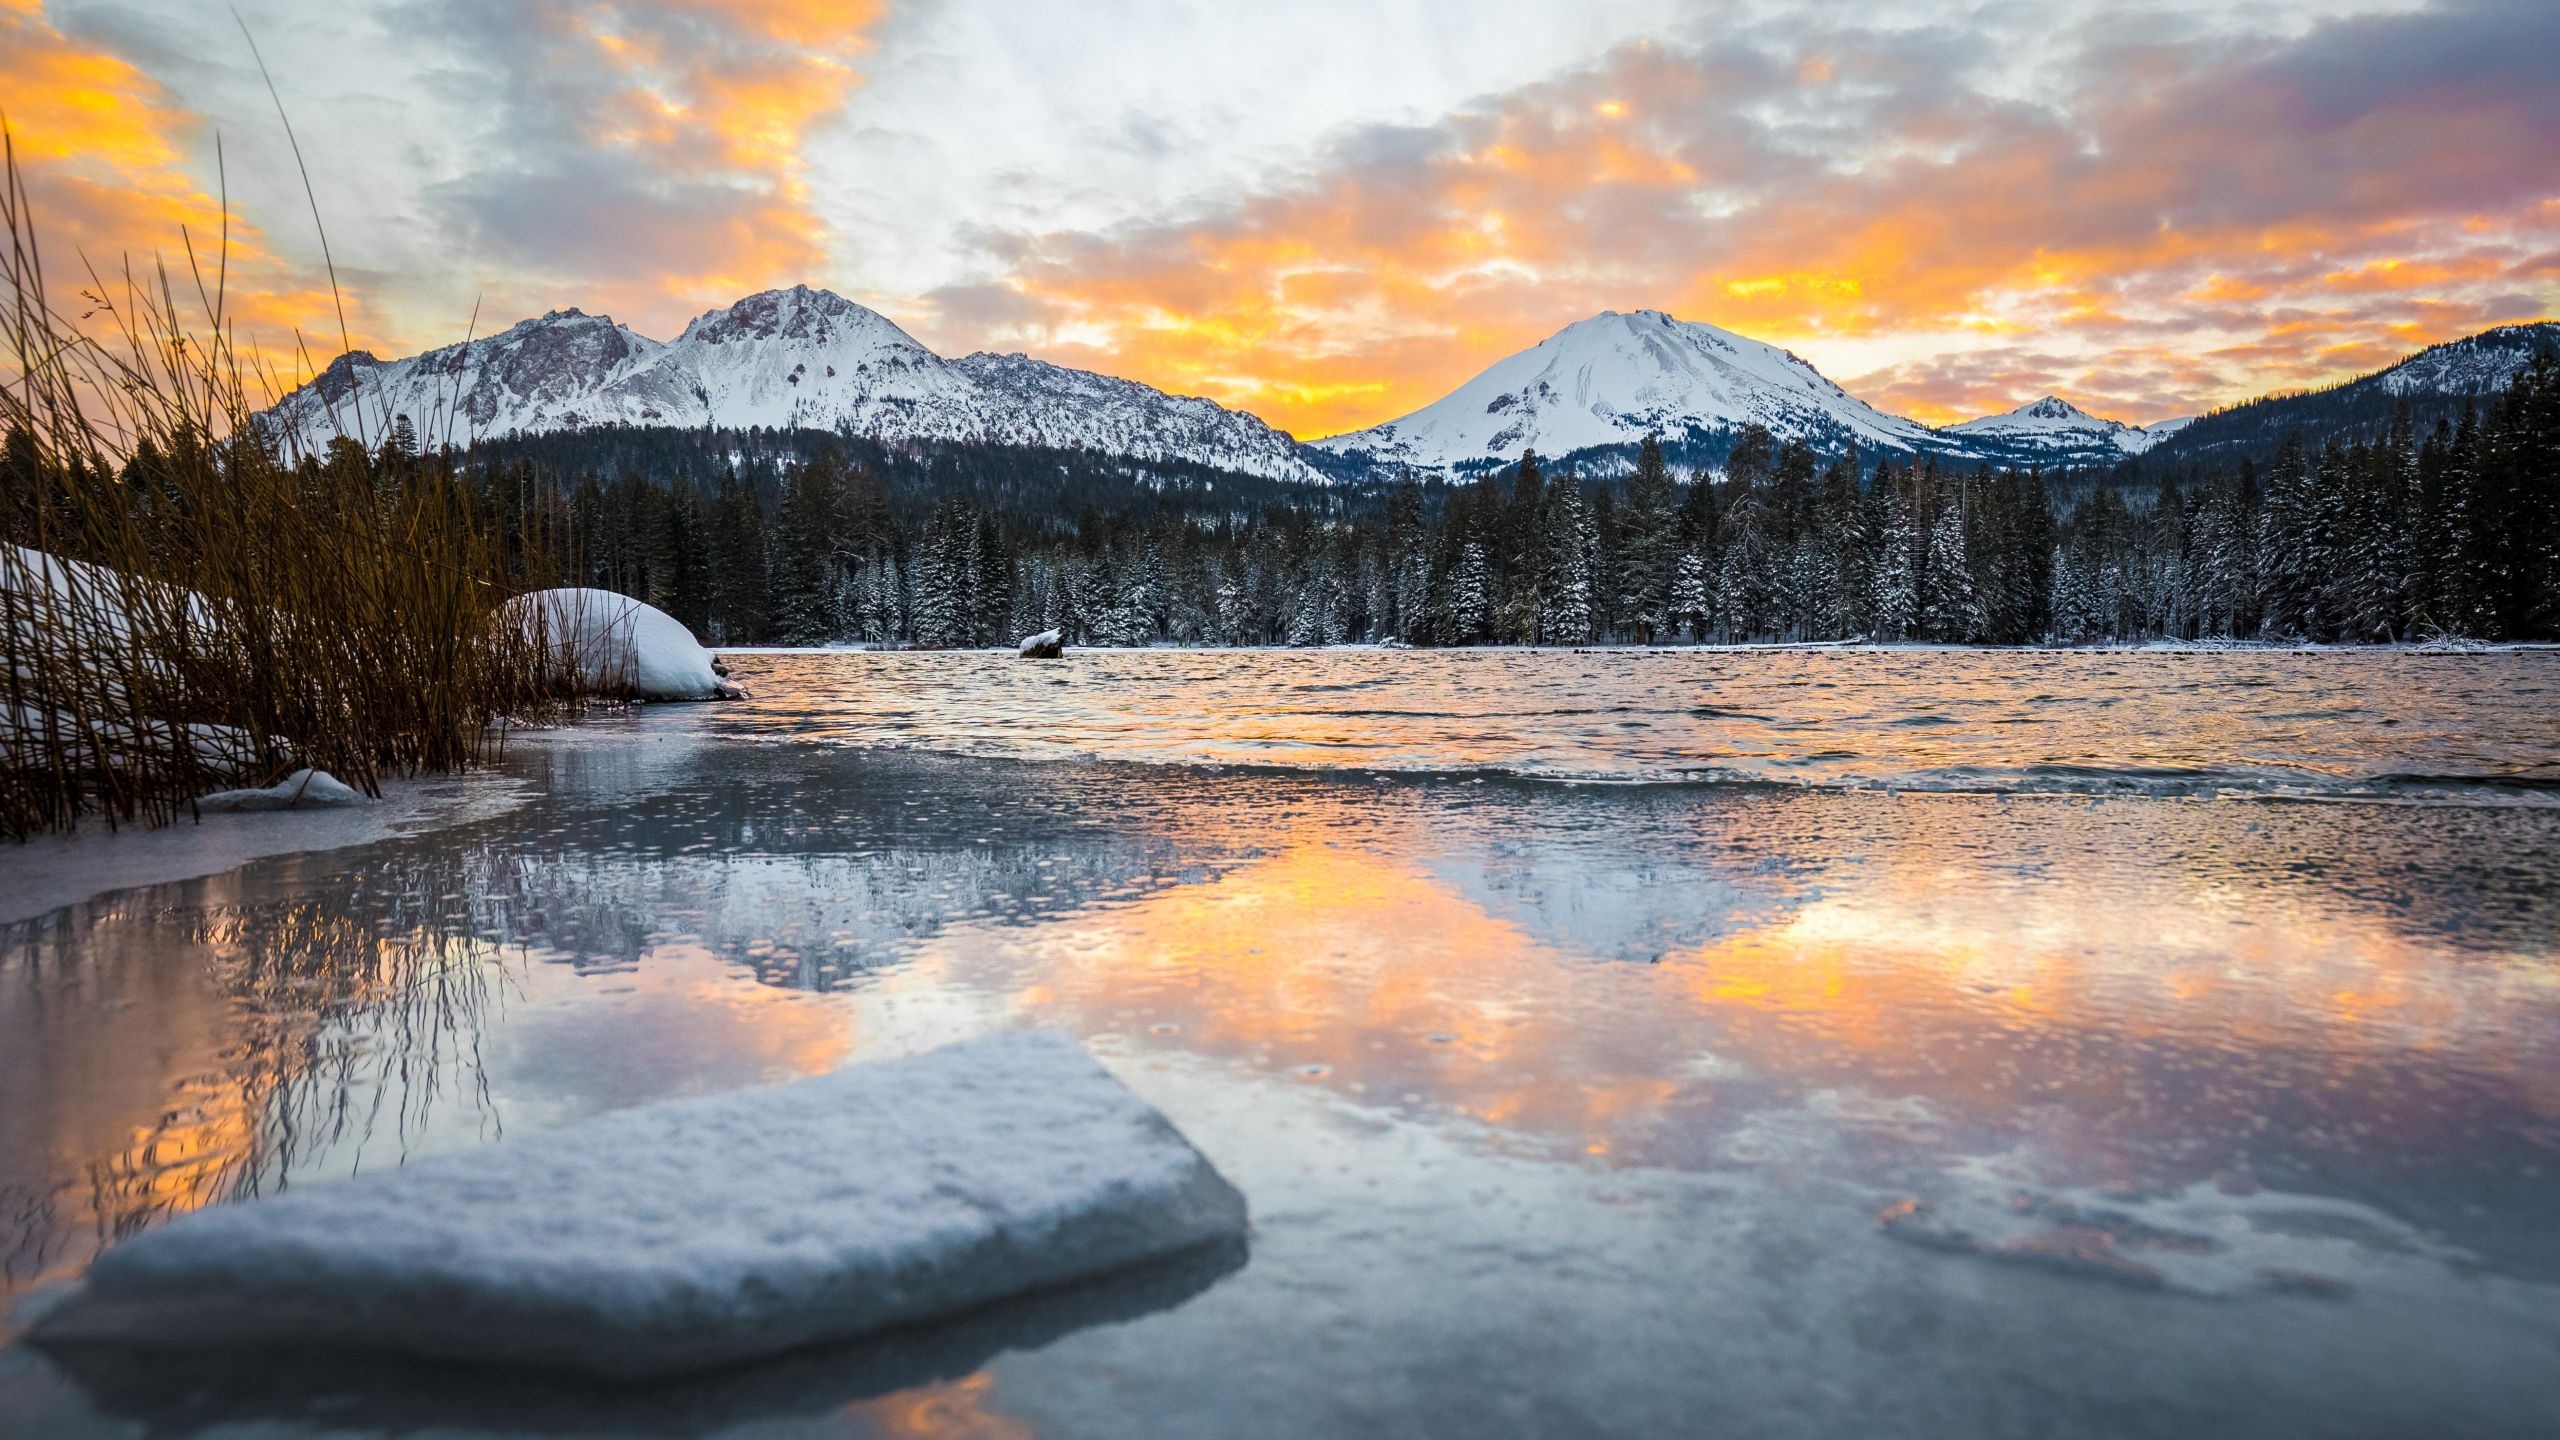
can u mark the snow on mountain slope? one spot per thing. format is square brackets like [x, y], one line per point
[1612, 379]
[2057, 427]
[1051, 405]
[803, 357]
[783, 358]
[549, 373]
[2475, 365]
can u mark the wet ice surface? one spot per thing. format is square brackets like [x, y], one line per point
[1563, 1109]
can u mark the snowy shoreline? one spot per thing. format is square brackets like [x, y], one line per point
[47, 872]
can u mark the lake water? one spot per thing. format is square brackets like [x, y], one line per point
[1611, 1043]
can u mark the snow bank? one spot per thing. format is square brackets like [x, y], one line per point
[622, 646]
[1047, 645]
[301, 790]
[680, 1236]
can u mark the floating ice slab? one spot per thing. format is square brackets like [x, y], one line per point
[681, 1236]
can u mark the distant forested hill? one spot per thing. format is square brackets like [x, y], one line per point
[2436, 384]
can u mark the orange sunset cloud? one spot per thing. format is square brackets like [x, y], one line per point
[724, 94]
[112, 168]
[684, 183]
[1839, 202]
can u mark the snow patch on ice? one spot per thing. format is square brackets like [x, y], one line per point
[676, 1237]
[304, 789]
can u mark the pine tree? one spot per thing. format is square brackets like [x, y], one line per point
[1897, 592]
[946, 568]
[1649, 523]
[1564, 566]
[1692, 601]
[1847, 586]
[1743, 590]
[801, 578]
[1236, 621]
[1471, 596]
[1949, 608]
[740, 605]
[991, 584]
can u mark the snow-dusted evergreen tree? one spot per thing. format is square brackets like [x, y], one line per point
[739, 604]
[802, 576]
[1947, 608]
[990, 585]
[1649, 523]
[2078, 614]
[1743, 585]
[1841, 522]
[1564, 566]
[1895, 582]
[1237, 623]
[2368, 585]
[2293, 544]
[2226, 553]
[1132, 616]
[1377, 598]
[942, 568]
[2465, 566]
[1471, 596]
[1692, 599]
[1088, 594]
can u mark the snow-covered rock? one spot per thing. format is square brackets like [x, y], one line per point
[1047, 645]
[304, 789]
[796, 357]
[696, 1233]
[2056, 429]
[1612, 379]
[622, 646]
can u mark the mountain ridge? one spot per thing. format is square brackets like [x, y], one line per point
[792, 358]
[806, 358]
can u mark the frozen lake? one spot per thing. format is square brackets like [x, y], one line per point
[1901, 1043]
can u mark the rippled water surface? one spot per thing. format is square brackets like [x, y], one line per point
[2027, 1063]
[2312, 722]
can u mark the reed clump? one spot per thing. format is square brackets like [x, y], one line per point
[185, 606]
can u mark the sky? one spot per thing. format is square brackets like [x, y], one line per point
[1331, 212]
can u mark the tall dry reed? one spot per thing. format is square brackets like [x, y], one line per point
[183, 606]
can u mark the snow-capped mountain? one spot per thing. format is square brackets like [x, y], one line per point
[544, 374]
[1611, 380]
[2055, 429]
[796, 357]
